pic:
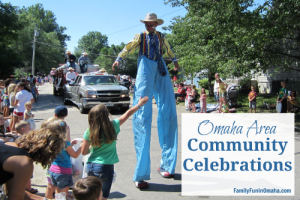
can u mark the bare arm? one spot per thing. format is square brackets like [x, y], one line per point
[73, 153]
[22, 168]
[85, 147]
[27, 116]
[16, 103]
[125, 116]
[68, 134]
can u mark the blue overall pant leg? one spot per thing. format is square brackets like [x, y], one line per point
[150, 82]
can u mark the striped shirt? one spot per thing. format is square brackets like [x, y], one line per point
[143, 41]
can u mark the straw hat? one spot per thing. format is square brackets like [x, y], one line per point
[85, 53]
[102, 70]
[70, 68]
[152, 17]
[68, 52]
[53, 68]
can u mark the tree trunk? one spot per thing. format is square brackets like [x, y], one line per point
[210, 86]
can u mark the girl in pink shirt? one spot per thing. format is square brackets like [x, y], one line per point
[203, 100]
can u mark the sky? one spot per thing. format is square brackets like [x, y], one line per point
[110, 17]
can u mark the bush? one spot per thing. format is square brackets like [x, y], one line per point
[203, 83]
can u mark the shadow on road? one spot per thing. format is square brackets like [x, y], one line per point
[47, 101]
[116, 195]
[162, 188]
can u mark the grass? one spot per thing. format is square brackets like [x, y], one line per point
[244, 102]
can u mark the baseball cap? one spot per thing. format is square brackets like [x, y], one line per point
[61, 111]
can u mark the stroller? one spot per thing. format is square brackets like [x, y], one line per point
[232, 95]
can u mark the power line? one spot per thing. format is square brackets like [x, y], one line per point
[142, 24]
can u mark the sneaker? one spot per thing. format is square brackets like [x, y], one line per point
[141, 184]
[164, 173]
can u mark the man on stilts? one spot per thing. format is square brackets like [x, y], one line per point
[153, 79]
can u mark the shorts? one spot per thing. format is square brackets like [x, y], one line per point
[19, 114]
[216, 96]
[222, 94]
[193, 100]
[105, 173]
[61, 180]
[252, 104]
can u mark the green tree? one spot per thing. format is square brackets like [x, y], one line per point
[9, 23]
[92, 43]
[50, 45]
[227, 37]
[108, 55]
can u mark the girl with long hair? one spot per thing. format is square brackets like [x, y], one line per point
[102, 135]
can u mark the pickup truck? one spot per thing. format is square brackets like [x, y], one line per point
[94, 88]
[60, 73]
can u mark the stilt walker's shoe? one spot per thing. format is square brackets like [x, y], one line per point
[164, 173]
[141, 184]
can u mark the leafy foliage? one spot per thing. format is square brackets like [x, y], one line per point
[226, 37]
[8, 34]
[92, 43]
[108, 55]
[16, 39]
[204, 83]
[50, 43]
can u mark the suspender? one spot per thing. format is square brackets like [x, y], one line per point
[144, 44]
[159, 37]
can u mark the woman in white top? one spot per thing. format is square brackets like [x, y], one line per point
[21, 98]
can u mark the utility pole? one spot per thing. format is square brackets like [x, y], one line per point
[33, 54]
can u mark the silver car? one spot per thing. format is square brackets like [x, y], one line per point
[91, 89]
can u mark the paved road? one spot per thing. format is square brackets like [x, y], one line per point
[124, 188]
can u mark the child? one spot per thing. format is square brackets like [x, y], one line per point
[52, 123]
[28, 116]
[282, 97]
[102, 135]
[187, 98]
[61, 112]
[89, 188]
[22, 127]
[252, 99]
[61, 167]
[203, 100]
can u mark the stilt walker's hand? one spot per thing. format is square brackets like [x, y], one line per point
[176, 66]
[143, 101]
[116, 63]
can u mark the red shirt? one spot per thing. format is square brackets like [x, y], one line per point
[252, 94]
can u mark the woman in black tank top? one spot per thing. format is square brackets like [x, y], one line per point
[16, 158]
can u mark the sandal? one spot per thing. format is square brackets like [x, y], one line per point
[32, 190]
